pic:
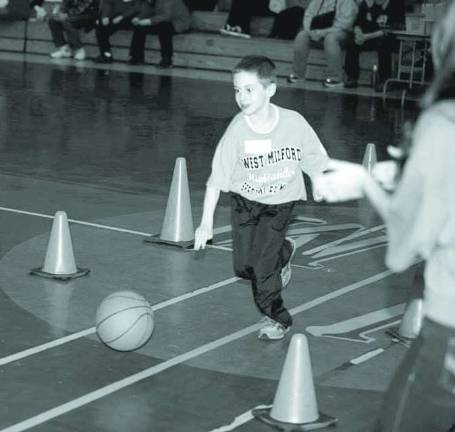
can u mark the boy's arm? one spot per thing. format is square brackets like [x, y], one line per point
[205, 230]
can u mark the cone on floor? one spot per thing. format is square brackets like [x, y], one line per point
[411, 323]
[177, 228]
[370, 157]
[295, 407]
[59, 262]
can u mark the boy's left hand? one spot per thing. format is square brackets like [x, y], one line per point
[203, 234]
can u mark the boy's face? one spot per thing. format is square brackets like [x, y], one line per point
[250, 94]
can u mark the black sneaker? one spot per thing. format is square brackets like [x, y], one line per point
[103, 59]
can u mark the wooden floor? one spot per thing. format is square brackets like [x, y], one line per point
[101, 144]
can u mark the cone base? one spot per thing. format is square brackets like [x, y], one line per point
[263, 414]
[394, 332]
[79, 273]
[156, 239]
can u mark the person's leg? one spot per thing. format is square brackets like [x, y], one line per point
[165, 32]
[269, 248]
[351, 60]
[137, 46]
[103, 34]
[385, 48]
[301, 51]
[421, 396]
[240, 14]
[244, 224]
[56, 29]
[332, 47]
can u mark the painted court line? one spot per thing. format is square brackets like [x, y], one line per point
[57, 342]
[240, 420]
[154, 370]
[107, 227]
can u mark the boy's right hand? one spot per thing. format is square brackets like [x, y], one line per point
[202, 235]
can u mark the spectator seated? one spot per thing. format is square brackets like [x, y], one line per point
[201, 48]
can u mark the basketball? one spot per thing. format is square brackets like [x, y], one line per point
[124, 321]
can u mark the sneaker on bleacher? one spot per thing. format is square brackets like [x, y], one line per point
[80, 54]
[234, 31]
[62, 52]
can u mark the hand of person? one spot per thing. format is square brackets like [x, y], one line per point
[117, 19]
[41, 13]
[386, 173]
[104, 21]
[315, 35]
[317, 195]
[342, 181]
[203, 234]
[144, 22]
[359, 38]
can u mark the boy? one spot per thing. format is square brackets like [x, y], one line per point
[259, 161]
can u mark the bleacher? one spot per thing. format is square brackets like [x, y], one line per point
[201, 48]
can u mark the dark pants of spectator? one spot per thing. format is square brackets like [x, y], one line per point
[165, 32]
[242, 11]
[384, 46]
[103, 33]
[67, 31]
[421, 396]
[288, 23]
[260, 251]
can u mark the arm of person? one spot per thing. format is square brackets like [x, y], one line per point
[310, 12]
[374, 35]
[344, 181]
[132, 11]
[163, 13]
[204, 232]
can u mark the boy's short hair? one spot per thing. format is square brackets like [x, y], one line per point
[264, 68]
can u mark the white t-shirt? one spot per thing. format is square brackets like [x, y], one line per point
[267, 166]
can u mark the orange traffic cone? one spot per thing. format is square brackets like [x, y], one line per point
[411, 323]
[177, 228]
[59, 262]
[295, 406]
[370, 157]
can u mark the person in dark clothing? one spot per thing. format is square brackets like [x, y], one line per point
[161, 17]
[65, 22]
[288, 22]
[14, 10]
[372, 33]
[114, 15]
[240, 15]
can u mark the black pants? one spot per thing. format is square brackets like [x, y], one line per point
[260, 251]
[103, 33]
[165, 32]
[70, 28]
[242, 11]
[385, 46]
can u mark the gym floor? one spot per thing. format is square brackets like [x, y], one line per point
[101, 145]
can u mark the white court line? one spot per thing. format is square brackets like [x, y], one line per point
[57, 342]
[154, 370]
[240, 420]
[111, 228]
